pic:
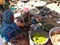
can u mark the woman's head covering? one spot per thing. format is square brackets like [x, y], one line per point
[7, 20]
[7, 16]
[8, 29]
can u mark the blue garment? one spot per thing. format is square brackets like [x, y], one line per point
[7, 32]
[0, 28]
[8, 29]
[6, 17]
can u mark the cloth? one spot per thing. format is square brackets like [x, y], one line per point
[8, 29]
[1, 41]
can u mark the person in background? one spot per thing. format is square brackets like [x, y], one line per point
[6, 6]
[8, 28]
[1, 5]
[8, 1]
[12, 4]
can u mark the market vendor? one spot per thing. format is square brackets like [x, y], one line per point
[9, 28]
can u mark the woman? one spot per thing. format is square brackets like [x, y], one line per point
[9, 28]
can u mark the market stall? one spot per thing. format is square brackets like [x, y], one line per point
[35, 20]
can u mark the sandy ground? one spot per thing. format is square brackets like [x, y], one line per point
[54, 7]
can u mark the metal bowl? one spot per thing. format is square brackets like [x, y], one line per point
[52, 32]
[34, 43]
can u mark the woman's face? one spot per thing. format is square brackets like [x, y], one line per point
[12, 18]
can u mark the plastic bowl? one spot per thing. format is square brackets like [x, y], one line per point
[41, 31]
[40, 4]
[53, 31]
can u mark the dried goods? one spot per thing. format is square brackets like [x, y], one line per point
[56, 38]
[39, 38]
